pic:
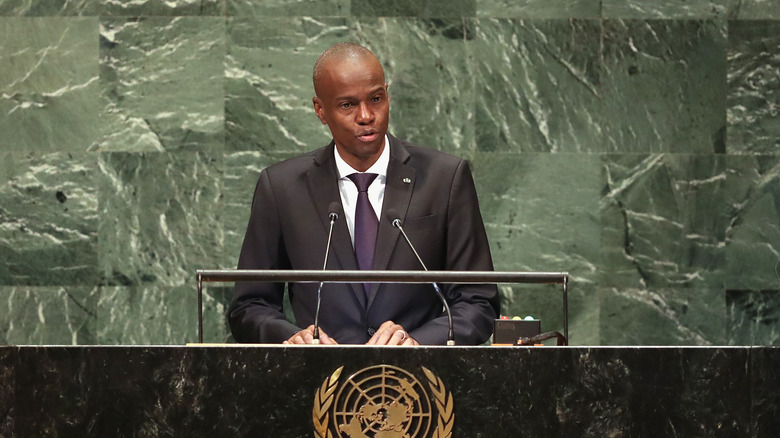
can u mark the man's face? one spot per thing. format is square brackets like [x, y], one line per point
[352, 100]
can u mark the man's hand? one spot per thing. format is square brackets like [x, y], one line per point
[390, 333]
[306, 336]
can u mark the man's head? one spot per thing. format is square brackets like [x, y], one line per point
[352, 99]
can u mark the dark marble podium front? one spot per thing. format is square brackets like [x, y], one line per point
[268, 391]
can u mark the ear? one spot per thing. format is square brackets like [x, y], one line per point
[319, 110]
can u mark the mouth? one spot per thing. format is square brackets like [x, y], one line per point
[368, 136]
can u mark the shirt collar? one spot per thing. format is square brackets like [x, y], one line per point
[379, 167]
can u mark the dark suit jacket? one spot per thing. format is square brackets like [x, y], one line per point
[433, 194]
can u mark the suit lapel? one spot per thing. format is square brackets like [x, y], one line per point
[322, 180]
[398, 195]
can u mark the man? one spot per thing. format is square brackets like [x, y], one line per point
[430, 192]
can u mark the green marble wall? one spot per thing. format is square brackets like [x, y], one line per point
[631, 143]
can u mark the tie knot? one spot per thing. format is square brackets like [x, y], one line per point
[362, 180]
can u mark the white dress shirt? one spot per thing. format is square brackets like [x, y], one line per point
[349, 191]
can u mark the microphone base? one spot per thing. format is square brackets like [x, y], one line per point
[315, 342]
[450, 342]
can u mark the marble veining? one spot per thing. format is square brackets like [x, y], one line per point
[159, 234]
[48, 219]
[661, 93]
[33, 8]
[683, 9]
[48, 315]
[413, 8]
[48, 83]
[753, 105]
[559, 392]
[525, 100]
[631, 143]
[539, 9]
[161, 84]
[284, 8]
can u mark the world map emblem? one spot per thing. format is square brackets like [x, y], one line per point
[383, 401]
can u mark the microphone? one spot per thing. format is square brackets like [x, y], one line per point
[451, 333]
[333, 214]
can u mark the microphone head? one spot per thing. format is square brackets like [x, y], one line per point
[333, 210]
[394, 218]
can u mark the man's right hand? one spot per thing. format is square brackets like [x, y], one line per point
[306, 336]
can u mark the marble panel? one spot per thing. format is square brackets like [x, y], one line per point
[8, 399]
[48, 219]
[48, 83]
[753, 102]
[146, 8]
[148, 315]
[666, 9]
[654, 392]
[218, 391]
[414, 8]
[754, 9]
[536, 9]
[753, 317]
[431, 80]
[666, 219]
[216, 299]
[537, 85]
[161, 81]
[161, 217]
[288, 8]
[663, 317]
[753, 237]
[663, 86]
[41, 8]
[765, 379]
[268, 88]
[541, 211]
[48, 315]
[540, 215]
[241, 173]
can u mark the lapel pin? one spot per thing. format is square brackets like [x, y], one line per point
[407, 180]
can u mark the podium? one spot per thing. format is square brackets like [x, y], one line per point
[271, 391]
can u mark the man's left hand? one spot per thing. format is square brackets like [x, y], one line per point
[390, 333]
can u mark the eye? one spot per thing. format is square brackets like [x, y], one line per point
[345, 105]
[376, 99]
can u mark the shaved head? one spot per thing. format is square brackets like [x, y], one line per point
[341, 52]
[352, 99]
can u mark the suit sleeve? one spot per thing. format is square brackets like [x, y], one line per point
[473, 307]
[255, 313]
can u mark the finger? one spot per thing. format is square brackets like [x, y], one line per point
[389, 334]
[300, 336]
[382, 337]
[398, 338]
[382, 328]
[325, 339]
[410, 341]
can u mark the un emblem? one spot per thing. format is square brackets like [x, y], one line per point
[382, 401]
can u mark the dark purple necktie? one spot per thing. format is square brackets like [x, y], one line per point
[365, 223]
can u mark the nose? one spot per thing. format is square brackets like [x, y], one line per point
[364, 114]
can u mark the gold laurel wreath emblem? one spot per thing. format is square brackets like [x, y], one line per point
[324, 399]
[444, 404]
[322, 402]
